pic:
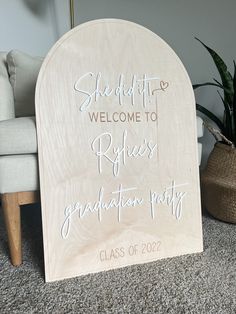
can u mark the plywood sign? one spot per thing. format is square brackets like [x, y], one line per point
[117, 151]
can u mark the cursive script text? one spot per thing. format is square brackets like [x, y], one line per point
[142, 88]
[104, 150]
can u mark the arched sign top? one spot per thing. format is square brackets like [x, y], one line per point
[128, 25]
[117, 151]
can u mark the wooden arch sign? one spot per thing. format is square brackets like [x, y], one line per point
[117, 143]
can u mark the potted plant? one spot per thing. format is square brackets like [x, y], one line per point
[218, 180]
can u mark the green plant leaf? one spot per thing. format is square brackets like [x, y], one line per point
[195, 86]
[217, 84]
[226, 77]
[228, 119]
[221, 86]
[211, 116]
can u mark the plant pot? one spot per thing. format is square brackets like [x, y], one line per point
[218, 182]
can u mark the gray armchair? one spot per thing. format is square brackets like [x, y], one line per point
[18, 144]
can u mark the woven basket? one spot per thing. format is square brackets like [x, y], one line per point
[219, 183]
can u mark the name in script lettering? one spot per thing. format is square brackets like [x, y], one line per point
[117, 156]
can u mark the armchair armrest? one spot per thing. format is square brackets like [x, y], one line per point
[200, 131]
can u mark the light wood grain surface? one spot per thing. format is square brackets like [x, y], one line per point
[80, 162]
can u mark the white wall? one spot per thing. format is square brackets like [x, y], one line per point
[34, 25]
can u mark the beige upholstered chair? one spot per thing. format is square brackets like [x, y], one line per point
[18, 145]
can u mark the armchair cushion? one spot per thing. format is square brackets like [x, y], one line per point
[19, 173]
[23, 70]
[18, 136]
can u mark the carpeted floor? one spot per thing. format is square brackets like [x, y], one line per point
[201, 283]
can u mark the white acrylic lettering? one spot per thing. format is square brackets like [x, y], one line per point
[169, 197]
[83, 210]
[100, 88]
[117, 155]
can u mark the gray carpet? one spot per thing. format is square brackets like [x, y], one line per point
[201, 283]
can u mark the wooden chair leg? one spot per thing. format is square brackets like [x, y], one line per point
[11, 210]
